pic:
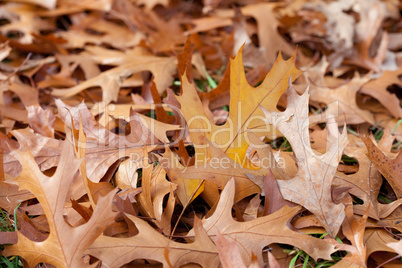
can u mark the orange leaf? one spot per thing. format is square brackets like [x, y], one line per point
[65, 245]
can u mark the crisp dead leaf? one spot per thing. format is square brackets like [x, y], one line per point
[134, 61]
[311, 186]
[244, 114]
[367, 178]
[23, 19]
[377, 88]
[371, 14]
[391, 169]
[344, 98]
[229, 253]
[208, 153]
[253, 236]
[65, 245]
[151, 245]
[41, 121]
[397, 246]
[102, 142]
[154, 188]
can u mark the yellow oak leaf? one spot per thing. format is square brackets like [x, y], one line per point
[244, 116]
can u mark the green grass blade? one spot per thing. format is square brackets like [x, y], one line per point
[305, 263]
[7, 262]
[293, 261]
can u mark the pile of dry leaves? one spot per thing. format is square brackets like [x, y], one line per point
[233, 133]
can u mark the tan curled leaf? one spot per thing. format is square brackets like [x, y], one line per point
[391, 169]
[65, 245]
[254, 235]
[311, 187]
[229, 253]
[151, 245]
[132, 62]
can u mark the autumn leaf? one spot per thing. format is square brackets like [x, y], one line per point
[244, 114]
[254, 235]
[377, 88]
[101, 141]
[130, 137]
[65, 245]
[344, 97]
[150, 244]
[132, 62]
[311, 187]
[229, 252]
[389, 168]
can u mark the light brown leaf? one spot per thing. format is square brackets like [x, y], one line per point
[49, 4]
[365, 183]
[65, 245]
[151, 245]
[344, 100]
[41, 121]
[229, 253]
[391, 169]
[131, 62]
[371, 15]
[253, 236]
[23, 19]
[103, 147]
[377, 88]
[11, 196]
[312, 185]
[397, 246]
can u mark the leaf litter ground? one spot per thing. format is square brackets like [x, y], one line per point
[210, 133]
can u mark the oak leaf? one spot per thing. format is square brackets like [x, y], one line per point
[244, 115]
[366, 182]
[391, 169]
[129, 63]
[254, 235]
[49, 4]
[229, 252]
[371, 15]
[311, 187]
[103, 147]
[151, 245]
[219, 170]
[65, 245]
[154, 188]
[23, 19]
[344, 97]
[377, 88]
[397, 246]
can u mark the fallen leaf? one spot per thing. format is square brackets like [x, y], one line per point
[244, 113]
[229, 252]
[391, 169]
[344, 99]
[65, 245]
[41, 121]
[310, 187]
[102, 142]
[397, 246]
[134, 61]
[377, 88]
[253, 236]
[151, 245]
